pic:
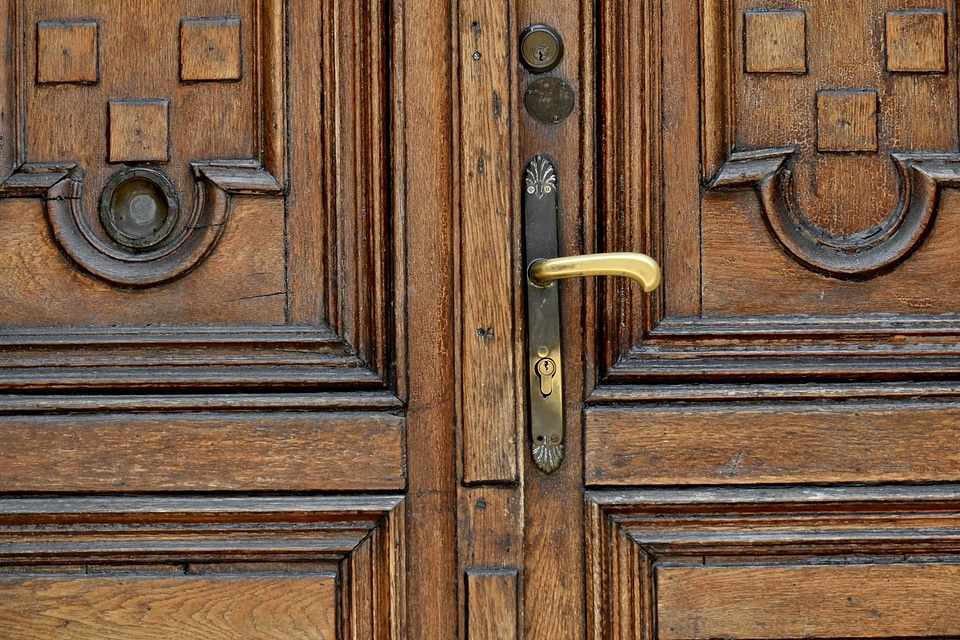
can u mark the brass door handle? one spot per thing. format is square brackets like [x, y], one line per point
[545, 365]
[637, 266]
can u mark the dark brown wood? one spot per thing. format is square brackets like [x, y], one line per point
[258, 350]
[426, 211]
[492, 607]
[492, 351]
[856, 600]
[337, 315]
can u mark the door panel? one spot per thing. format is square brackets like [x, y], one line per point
[198, 312]
[791, 166]
[818, 314]
[163, 567]
[840, 562]
[291, 297]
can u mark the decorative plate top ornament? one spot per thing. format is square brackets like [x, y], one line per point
[541, 177]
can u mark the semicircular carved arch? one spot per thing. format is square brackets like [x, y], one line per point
[862, 254]
[842, 119]
[175, 256]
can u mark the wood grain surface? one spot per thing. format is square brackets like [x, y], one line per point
[852, 601]
[158, 607]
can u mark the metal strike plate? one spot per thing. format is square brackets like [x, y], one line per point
[544, 363]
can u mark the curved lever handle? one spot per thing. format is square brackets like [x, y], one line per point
[638, 266]
[544, 353]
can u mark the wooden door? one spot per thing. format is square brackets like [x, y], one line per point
[766, 446]
[202, 320]
[263, 335]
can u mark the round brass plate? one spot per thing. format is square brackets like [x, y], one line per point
[549, 99]
[139, 207]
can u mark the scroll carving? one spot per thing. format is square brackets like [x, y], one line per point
[61, 187]
[862, 254]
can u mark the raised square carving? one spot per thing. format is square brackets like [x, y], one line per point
[775, 41]
[139, 130]
[916, 41]
[846, 120]
[67, 52]
[210, 49]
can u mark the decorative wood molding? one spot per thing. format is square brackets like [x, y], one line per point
[630, 153]
[135, 138]
[647, 204]
[265, 357]
[814, 348]
[631, 535]
[860, 255]
[176, 255]
[358, 540]
[340, 242]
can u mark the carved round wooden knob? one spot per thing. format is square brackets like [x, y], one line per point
[139, 207]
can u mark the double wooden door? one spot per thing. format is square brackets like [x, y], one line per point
[263, 341]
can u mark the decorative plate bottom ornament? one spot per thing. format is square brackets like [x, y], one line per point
[548, 456]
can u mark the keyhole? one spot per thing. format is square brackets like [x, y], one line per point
[542, 53]
[546, 370]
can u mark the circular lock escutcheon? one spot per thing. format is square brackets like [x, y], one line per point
[541, 48]
[139, 207]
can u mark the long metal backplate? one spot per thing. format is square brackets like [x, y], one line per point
[545, 390]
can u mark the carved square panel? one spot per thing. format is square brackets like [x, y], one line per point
[221, 154]
[846, 120]
[210, 49]
[67, 52]
[805, 222]
[775, 41]
[916, 41]
[139, 130]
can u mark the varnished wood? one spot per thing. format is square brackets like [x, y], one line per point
[427, 213]
[234, 545]
[356, 331]
[553, 532]
[138, 607]
[187, 452]
[774, 532]
[492, 604]
[489, 287]
[304, 273]
[768, 443]
[856, 600]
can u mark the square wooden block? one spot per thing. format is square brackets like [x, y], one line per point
[775, 41]
[67, 52]
[210, 49]
[846, 120]
[139, 130]
[916, 41]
